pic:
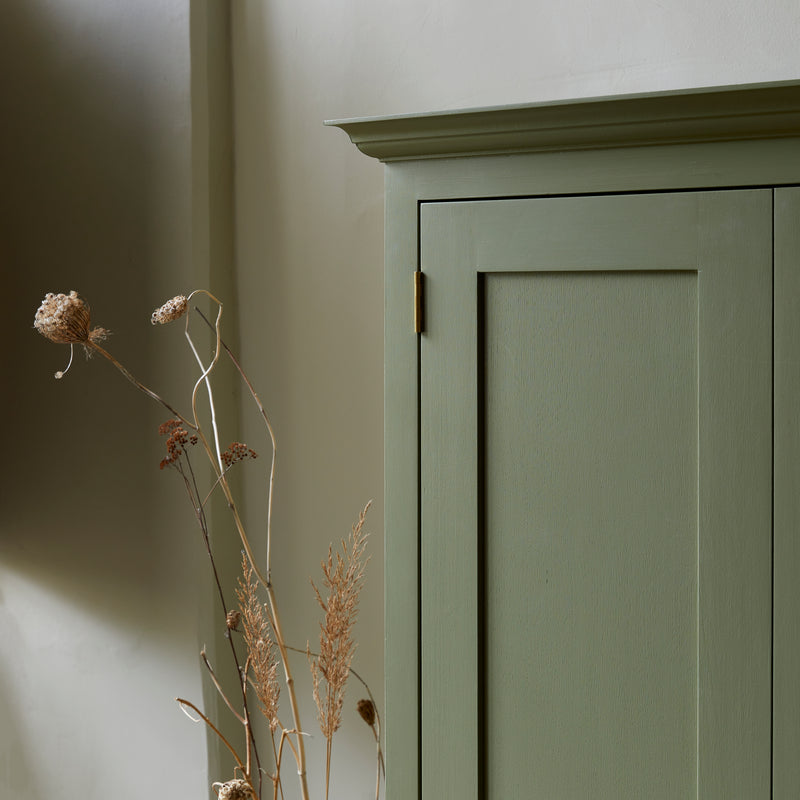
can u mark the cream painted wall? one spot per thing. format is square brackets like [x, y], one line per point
[309, 209]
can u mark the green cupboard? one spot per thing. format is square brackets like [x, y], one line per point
[592, 448]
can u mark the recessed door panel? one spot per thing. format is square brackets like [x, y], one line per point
[590, 537]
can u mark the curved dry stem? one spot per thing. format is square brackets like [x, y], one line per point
[62, 372]
[206, 371]
[216, 730]
[219, 688]
[270, 431]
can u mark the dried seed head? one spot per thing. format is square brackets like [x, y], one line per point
[237, 451]
[233, 619]
[65, 319]
[237, 789]
[367, 710]
[170, 311]
[177, 439]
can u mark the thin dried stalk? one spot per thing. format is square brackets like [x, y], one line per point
[189, 704]
[299, 751]
[263, 412]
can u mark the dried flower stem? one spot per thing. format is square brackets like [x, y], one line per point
[190, 704]
[193, 492]
[219, 688]
[138, 384]
[206, 371]
[271, 433]
[266, 582]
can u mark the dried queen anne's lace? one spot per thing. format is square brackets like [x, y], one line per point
[65, 319]
[171, 310]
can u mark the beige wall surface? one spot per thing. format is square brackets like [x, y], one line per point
[146, 146]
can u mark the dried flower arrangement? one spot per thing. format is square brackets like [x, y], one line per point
[65, 319]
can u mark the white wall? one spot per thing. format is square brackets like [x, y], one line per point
[98, 554]
[309, 207]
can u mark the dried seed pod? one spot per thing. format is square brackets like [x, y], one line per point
[233, 619]
[366, 708]
[237, 789]
[171, 310]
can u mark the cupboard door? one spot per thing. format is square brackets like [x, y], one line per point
[596, 497]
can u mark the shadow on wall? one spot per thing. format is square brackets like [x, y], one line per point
[77, 163]
[76, 195]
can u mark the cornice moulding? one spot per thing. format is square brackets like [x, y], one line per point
[762, 111]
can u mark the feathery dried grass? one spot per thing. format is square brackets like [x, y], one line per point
[260, 645]
[343, 577]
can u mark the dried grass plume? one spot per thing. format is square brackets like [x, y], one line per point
[260, 645]
[343, 577]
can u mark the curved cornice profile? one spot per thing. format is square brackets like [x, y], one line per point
[761, 111]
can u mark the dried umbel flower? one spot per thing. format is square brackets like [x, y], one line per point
[171, 310]
[65, 319]
[366, 708]
[237, 789]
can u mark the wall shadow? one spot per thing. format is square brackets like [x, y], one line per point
[82, 207]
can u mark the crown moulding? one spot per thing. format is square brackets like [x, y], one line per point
[762, 111]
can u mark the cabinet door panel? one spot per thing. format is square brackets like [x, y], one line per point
[596, 497]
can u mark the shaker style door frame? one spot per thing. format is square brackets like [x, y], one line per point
[732, 137]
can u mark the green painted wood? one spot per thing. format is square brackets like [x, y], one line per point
[698, 115]
[591, 508]
[787, 495]
[656, 168]
[680, 162]
[626, 603]
[401, 566]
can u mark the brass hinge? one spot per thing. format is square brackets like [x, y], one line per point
[419, 302]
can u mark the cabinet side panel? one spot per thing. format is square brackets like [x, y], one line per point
[401, 570]
[786, 688]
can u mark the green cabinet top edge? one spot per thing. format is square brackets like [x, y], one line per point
[759, 111]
